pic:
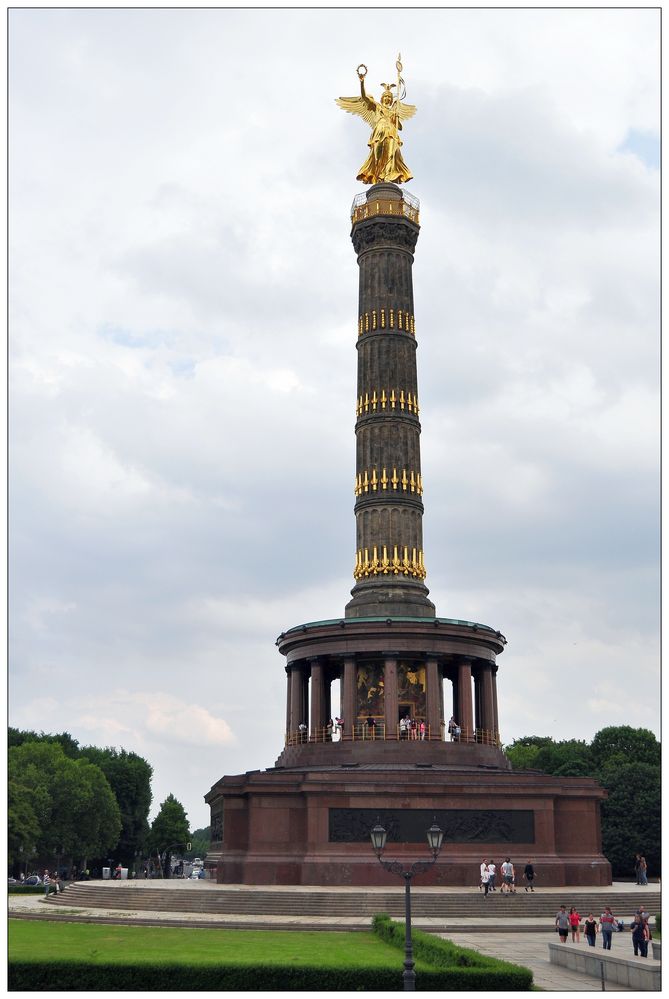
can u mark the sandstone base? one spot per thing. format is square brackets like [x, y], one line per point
[310, 825]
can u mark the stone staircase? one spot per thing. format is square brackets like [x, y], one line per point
[450, 906]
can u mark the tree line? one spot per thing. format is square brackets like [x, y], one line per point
[626, 761]
[72, 805]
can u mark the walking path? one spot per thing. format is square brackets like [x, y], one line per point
[515, 943]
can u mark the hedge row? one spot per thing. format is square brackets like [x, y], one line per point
[466, 969]
[25, 890]
[80, 976]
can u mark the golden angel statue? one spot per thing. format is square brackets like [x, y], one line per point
[385, 160]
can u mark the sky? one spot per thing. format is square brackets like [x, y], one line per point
[183, 320]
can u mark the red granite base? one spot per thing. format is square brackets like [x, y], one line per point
[281, 826]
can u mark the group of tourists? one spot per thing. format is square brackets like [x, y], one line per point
[51, 883]
[641, 869]
[508, 877]
[570, 922]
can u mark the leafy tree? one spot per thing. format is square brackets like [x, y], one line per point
[626, 744]
[523, 752]
[169, 829]
[79, 815]
[27, 808]
[70, 746]
[631, 815]
[129, 776]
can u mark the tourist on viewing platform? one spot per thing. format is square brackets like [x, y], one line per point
[451, 727]
[590, 929]
[575, 925]
[329, 729]
[404, 721]
[607, 924]
[339, 722]
[371, 727]
[457, 732]
[421, 729]
[640, 936]
[413, 727]
[492, 874]
[529, 875]
[302, 729]
[562, 924]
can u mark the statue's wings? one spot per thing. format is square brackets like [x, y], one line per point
[407, 111]
[360, 106]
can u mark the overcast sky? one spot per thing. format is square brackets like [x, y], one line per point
[183, 306]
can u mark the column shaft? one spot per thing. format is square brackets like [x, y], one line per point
[317, 698]
[297, 684]
[433, 700]
[464, 715]
[487, 706]
[494, 702]
[288, 698]
[390, 696]
[349, 696]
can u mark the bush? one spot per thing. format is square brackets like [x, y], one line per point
[467, 970]
[79, 976]
[25, 889]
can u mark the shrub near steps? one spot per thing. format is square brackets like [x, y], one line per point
[465, 904]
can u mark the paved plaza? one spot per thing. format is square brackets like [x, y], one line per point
[520, 943]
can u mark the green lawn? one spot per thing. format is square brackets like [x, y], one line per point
[95, 943]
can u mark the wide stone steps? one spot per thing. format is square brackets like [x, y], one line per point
[355, 903]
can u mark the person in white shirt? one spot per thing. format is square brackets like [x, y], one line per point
[484, 873]
[508, 877]
[492, 873]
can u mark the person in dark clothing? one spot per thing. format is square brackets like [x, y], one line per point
[590, 929]
[639, 937]
[529, 876]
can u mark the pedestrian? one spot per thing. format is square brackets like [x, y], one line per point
[529, 875]
[492, 874]
[562, 924]
[46, 881]
[507, 876]
[484, 871]
[575, 925]
[640, 936]
[590, 929]
[485, 880]
[637, 867]
[643, 871]
[607, 924]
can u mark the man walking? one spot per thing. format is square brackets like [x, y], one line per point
[607, 923]
[492, 873]
[529, 875]
[562, 924]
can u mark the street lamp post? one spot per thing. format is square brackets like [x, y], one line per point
[435, 838]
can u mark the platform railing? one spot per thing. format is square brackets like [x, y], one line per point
[363, 732]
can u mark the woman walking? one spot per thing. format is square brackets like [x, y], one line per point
[575, 925]
[590, 929]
